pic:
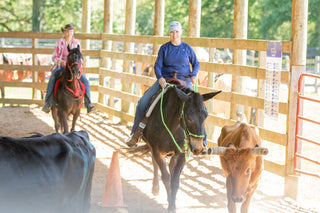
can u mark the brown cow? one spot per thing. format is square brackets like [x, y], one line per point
[241, 160]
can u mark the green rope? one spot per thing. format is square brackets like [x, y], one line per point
[195, 87]
[171, 135]
[165, 125]
[184, 121]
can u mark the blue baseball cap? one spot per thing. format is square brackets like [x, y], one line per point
[175, 25]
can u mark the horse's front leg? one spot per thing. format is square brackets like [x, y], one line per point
[64, 122]
[165, 176]
[155, 181]
[176, 165]
[75, 117]
[54, 112]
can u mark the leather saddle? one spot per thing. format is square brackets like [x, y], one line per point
[175, 80]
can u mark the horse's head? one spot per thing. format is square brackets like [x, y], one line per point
[74, 62]
[193, 116]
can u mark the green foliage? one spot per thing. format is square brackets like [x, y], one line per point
[217, 19]
[15, 15]
[268, 19]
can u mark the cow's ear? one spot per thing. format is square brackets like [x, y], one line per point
[210, 95]
[68, 48]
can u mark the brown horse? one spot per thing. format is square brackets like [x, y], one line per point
[69, 92]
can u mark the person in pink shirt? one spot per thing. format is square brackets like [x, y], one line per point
[60, 58]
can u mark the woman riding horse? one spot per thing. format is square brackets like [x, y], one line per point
[175, 55]
[69, 92]
[60, 58]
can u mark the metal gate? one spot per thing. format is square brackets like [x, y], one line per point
[301, 138]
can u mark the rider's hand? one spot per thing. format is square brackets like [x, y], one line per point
[193, 79]
[162, 82]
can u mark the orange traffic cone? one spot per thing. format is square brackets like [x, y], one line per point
[113, 191]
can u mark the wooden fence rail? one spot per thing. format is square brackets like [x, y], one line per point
[114, 72]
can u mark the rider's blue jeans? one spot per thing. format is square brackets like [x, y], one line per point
[52, 81]
[143, 104]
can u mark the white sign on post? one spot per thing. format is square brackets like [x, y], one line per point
[273, 79]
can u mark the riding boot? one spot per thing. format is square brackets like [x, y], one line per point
[135, 137]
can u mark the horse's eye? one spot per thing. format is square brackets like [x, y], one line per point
[248, 171]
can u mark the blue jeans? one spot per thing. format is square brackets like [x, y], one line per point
[143, 104]
[52, 81]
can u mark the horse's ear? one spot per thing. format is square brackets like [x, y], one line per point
[182, 95]
[68, 48]
[209, 95]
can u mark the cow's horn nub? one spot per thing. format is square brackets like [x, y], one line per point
[216, 150]
[259, 151]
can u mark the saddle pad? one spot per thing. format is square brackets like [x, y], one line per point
[155, 101]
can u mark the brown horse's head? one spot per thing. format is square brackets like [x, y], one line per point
[74, 62]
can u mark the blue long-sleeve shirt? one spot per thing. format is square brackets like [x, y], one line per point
[176, 58]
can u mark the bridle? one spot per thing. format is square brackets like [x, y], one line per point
[73, 64]
[182, 116]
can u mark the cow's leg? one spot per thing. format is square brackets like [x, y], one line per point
[165, 176]
[246, 203]
[231, 205]
[155, 181]
[176, 165]
[54, 112]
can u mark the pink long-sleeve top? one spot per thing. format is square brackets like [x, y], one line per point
[61, 49]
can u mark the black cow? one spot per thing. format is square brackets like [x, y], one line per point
[46, 174]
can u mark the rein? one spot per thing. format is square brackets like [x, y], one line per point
[170, 133]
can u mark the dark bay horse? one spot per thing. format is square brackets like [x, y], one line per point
[183, 114]
[69, 92]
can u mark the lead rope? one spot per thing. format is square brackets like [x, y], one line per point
[165, 125]
[195, 87]
[186, 147]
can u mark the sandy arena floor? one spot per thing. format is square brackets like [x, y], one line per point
[202, 187]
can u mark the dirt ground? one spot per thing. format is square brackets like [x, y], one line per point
[202, 183]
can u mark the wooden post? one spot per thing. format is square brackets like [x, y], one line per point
[34, 73]
[317, 72]
[194, 18]
[299, 23]
[86, 20]
[261, 87]
[128, 47]
[158, 22]
[210, 128]
[240, 26]
[106, 45]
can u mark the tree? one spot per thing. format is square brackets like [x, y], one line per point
[15, 15]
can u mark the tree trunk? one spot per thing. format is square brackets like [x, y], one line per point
[36, 15]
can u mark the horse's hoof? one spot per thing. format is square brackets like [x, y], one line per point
[155, 191]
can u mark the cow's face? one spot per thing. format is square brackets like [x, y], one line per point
[238, 165]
